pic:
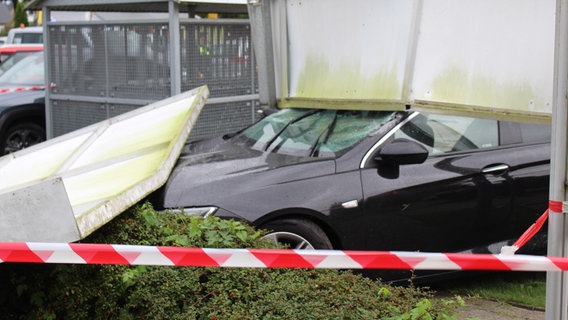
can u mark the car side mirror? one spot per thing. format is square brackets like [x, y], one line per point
[402, 151]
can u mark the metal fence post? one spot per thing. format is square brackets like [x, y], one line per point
[556, 303]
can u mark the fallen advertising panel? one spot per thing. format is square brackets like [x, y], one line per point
[67, 187]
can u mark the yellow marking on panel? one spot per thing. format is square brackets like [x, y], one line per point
[134, 136]
[459, 86]
[111, 180]
[106, 167]
[346, 80]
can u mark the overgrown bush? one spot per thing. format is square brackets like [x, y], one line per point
[44, 291]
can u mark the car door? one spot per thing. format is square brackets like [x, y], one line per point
[530, 171]
[455, 200]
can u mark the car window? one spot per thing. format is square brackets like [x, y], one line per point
[315, 133]
[531, 132]
[298, 137]
[444, 133]
[28, 71]
[13, 58]
[28, 37]
[349, 128]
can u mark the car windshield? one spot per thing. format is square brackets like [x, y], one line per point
[313, 133]
[13, 59]
[29, 71]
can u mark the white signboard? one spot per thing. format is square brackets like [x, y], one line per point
[493, 56]
[67, 187]
[347, 50]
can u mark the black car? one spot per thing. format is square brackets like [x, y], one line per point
[22, 102]
[371, 180]
[22, 120]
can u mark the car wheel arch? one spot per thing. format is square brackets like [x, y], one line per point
[301, 214]
[21, 116]
[26, 113]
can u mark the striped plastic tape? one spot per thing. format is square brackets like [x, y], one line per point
[9, 90]
[82, 253]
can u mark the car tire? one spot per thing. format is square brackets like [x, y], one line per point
[20, 136]
[297, 234]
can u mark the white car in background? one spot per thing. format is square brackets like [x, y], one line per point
[25, 35]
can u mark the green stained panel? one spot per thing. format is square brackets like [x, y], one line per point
[346, 80]
[100, 170]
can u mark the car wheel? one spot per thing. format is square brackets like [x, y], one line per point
[297, 234]
[20, 136]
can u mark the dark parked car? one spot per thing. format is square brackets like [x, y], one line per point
[371, 180]
[22, 102]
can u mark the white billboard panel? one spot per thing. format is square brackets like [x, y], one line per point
[67, 187]
[486, 53]
[346, 50]
[493, 56]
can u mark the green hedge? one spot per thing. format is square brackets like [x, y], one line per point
[47, 291]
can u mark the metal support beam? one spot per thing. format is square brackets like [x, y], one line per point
[556, 297]
[175, 47]
[46, 56]
[260, 19]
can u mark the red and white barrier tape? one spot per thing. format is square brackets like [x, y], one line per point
[25, 89]
[554, 206]
[79, 253]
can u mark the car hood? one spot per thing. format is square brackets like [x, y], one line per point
[215, 171]
[21, 97]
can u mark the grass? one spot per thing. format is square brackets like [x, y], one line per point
[526, 289]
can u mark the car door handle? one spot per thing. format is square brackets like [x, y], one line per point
[495, 169]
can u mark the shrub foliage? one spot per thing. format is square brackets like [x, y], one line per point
[44, 291]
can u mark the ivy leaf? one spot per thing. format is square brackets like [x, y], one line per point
[242, 235]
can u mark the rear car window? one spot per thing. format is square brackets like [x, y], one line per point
[448, 133]
[31, 37]
[532, 133]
